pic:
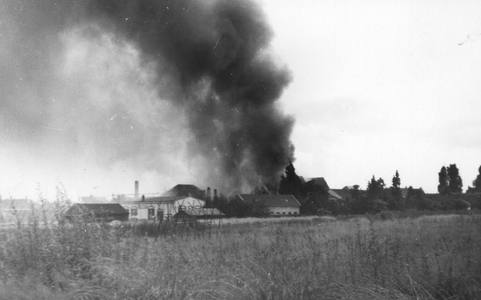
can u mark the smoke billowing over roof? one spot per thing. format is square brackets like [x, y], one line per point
[165, 86]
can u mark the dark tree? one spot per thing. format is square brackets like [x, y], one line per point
[396, 181]
[477, 181]
[355, 192]
[316, 198]
[443, 187]
[290, 183]
[233, 207]
[396, 199]
[375, 200]
[396, 185]
[257, 210]
[416, 199]
[375, 188]
[455, 181]
[355, 201]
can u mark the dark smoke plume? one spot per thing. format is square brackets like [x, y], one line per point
[211, 61]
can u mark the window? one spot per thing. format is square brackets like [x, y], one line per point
[295, 212]
[290, 213]
[284, 213]
[133, 212]
[278, 213]
[151, 212]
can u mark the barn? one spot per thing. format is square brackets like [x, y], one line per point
[277, 204]
[105, 212]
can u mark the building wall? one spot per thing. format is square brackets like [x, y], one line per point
[169, 208]
[284, 210]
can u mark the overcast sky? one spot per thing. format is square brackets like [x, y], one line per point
[380, 86]
[377, 86]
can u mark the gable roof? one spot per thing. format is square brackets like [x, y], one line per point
[271, 200]
[319, 181]
[334, 194]
[184, 190]
[97, 209]
[343, 193]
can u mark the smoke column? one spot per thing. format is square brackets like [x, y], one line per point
[146, 81]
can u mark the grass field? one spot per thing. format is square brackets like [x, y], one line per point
[428, 257]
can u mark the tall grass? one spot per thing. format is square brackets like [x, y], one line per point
[359, 258]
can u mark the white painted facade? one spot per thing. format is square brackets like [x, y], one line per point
[149, 208]
[284, 210]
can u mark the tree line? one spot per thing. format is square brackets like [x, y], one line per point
[315, 198]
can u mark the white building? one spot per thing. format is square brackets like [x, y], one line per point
[147, 208]
[277, 204]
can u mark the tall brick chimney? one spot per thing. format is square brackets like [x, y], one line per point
[136, 189]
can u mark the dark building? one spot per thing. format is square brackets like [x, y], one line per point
[104, 212]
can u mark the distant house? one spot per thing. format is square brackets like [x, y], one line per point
[343, 193]
[319, 181]
[333, 194]
[97, 212]
[15, 210]
[277, 204]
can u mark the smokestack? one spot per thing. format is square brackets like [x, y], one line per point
[215, 193]
[136, 189]
[207, 193]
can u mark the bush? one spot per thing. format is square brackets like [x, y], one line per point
[461, 205]
[386, 215]
[378, 205]
[430, 257]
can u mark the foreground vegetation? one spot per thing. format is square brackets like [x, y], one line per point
[430, 257]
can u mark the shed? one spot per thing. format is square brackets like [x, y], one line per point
[98, 212]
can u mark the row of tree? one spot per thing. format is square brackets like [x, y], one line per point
[449, 180]
[378, 196]
[314, 196]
